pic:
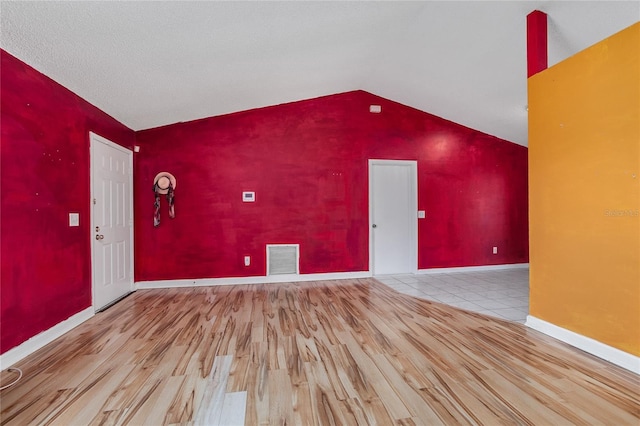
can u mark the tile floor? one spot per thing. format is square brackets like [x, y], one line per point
[500, 293]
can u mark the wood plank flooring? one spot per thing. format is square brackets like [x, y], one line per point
[351, 352]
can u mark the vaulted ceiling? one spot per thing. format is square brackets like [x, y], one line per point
[150, 63]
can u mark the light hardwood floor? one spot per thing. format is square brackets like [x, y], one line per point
[332, 352]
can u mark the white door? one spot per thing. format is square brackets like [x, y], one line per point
[393, 216]
[112, 221]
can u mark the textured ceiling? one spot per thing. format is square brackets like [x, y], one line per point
[154, 63]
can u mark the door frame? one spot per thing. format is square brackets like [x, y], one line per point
[95, 138]
[413, 208]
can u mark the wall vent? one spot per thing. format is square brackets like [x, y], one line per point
[283, 259]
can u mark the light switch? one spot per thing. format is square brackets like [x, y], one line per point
[421, 214]
[74, 219]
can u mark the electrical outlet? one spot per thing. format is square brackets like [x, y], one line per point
[74, 219]
[495, 250]
[247, 260]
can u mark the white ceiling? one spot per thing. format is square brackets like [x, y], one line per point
[154, 63]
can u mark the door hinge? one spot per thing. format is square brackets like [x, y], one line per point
[95, 201]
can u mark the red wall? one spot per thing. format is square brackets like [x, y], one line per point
[46, 265]
[307, 162]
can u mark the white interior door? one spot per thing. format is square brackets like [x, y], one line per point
[393, 216]
[112, 221]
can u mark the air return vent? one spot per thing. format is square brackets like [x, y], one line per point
[282, 259]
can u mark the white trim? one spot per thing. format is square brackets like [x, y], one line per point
[473, 268]
[587, 344]
[28, 347]
[260, 279]
[93, 137]
[113, 145]
[413, 165]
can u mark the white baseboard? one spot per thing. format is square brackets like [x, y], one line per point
[473, 268]
[259, 279]
[28, 347]
[587, 344]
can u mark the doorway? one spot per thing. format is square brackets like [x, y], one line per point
[111, 221]
[393, 216]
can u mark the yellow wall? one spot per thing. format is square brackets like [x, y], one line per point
[584, 192]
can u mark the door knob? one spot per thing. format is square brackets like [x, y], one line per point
[99, 237]
[374, 226]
